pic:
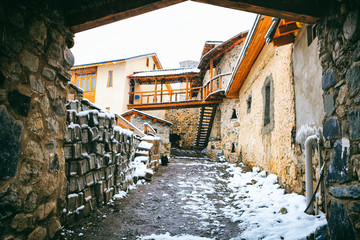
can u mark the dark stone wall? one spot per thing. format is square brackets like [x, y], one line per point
[34, 71]
[339, 43]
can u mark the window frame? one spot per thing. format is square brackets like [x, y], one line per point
[111, 73]
[268, 105]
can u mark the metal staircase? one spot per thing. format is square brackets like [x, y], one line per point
[206, 119]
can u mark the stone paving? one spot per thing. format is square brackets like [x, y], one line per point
[185, 197]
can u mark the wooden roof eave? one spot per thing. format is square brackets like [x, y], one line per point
[248, 55]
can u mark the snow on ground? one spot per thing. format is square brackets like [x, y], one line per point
[254, 200]
[264, 211]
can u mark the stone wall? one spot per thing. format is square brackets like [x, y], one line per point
[163, 132]
[185, 123]
[34, 63]
[98, 156]
[225, 131]
[339, 43]
[270, 145]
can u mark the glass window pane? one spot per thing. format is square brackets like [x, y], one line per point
[83, 75]
[92, 84]
[110, 79]
[88, 84]
[82, 83]
[93, 74]
[78, 82]
[89, 74]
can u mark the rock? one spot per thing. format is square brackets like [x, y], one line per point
[59, 108]
[53, 226]
[10, 135]
[38, 234]
[20, 102]
[10, 202]
[33, 152]
[44, 210]
[352, 76]
[355, 207]
[30, 202]
[321, 233]
[354, 124]
[148, 176]
[36, 84]
[48, 73]
[331, 128]
[30, 173]
[54, 162]
[283, 211]
[22, 222]
[352, 191]
[69, 57]
[338, 169]
[343, 93]
[38, 31]
[328, 79]
[329, 103]
[35, 123]
[29, 60]
[339, 223]
[351, 24]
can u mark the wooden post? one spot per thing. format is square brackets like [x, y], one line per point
[148, 98]
[220, 82]
[155, 90]
[211, 69]
[141, 98]
[161, 96]
[171, 95]
[187, 89]
[211, 86]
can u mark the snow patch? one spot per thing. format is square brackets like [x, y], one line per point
[307, 130]
[167, 236]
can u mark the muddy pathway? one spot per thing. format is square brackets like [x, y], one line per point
[185, 197]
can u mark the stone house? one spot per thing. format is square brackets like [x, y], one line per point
[160, 126]
[107, 84]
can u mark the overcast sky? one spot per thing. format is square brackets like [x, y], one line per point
[175, 33]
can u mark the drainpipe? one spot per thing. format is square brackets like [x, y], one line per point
[308, 172]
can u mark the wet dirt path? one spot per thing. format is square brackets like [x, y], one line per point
[185, 197]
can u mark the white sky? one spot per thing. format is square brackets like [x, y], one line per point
[175, 34]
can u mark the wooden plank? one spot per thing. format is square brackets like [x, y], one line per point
[155, 100]
[291, 27]
[187, 89]
[184, 104]
[211, 68]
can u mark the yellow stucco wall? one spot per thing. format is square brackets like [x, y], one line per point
[273, 152]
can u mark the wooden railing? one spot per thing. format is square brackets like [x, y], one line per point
[183, 94]
[216, 84]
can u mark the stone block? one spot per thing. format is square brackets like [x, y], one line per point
[81, 183]
[72, 201]
[87, 194]
[80, 199]
[101, 134]
[97, 147]
[108, 159]
[22, 222]
[101, 121]
[328, 79]
[77, 150]
[92, 161]
[77, 132]
[354, 124]
[54, 226]
[102, 174]
[85, 135]
[72, 184]
[88, 207]
[73, 105]
[98, 189]
[352, 191]
[331, 128]
[10, 134]
[338, 169]
[89, 179]
[329, 103]
[67, 169]
[68, 151]
[352, 77]
[93, 118]
[339, 223]
[94, 134]
[82, 167]
[69, 135]
[38, 234]
[29, 60]
[73, 168]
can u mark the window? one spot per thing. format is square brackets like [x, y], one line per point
[233, 148]
[234, 116]
[268, 96]
[248, 101]
[311, 33]
[147, 62]
[110, 79]
[86, 81]
[154, 66]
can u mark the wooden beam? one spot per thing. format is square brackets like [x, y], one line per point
[211, 68]
[288, 28]
[155, 90]
[299, 11]
[184, 104]
[283, 40]
[187, 89]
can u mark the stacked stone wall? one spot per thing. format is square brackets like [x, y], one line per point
[98, 156]
[339, 43]
[34, 63]
[185, 122]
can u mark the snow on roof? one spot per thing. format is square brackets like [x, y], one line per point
[213, 42]
[165, 72]
[146, 114]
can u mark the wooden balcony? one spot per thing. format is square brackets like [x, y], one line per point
[211, 93]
